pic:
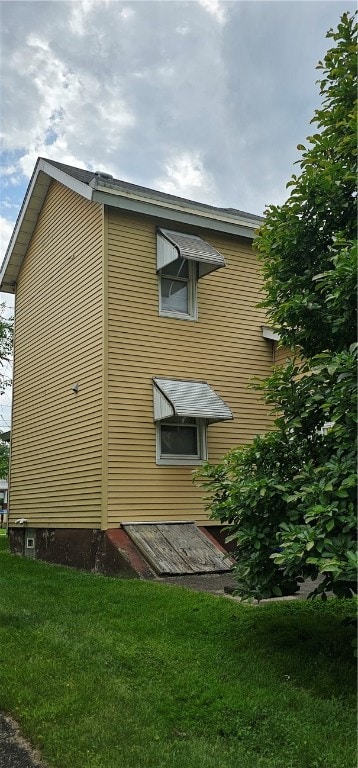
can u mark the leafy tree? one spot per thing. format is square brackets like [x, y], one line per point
[288, 499]
[4, 458]
[6, 343]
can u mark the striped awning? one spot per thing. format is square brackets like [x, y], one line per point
[172, 245]
[188, 399]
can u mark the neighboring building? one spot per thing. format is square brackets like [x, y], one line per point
[137, 336]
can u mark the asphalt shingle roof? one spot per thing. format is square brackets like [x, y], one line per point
[87, 176]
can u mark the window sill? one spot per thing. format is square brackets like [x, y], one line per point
[179, 462]
[177, 315]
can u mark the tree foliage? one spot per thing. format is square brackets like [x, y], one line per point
[4, 459]
[305, 237]
[6, 343]
[289, 498]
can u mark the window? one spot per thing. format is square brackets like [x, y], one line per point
[326, 427]
[177, 289]
[182, 260]
[181, 441]
[182, 412]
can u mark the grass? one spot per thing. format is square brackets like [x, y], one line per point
[108, 673]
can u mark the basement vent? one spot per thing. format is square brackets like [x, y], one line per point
[30, 543]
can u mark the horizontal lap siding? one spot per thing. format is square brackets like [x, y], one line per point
[282, 354]
[225, 348]
[56, 469]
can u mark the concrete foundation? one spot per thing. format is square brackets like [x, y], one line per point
[110, 552]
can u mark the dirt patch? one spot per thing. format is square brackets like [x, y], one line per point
[224, 584]
[217, 583]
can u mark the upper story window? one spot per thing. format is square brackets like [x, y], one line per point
[177, 289]
[181, 261]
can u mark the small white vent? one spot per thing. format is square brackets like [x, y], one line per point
[326, 427]
[102, 175]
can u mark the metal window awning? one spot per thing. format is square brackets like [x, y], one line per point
[172, 245]
[190, 399]
[270, 333]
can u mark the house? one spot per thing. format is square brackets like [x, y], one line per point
[137, 335]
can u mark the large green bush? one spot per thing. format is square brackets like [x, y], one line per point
[289, 498]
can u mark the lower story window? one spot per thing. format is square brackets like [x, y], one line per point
[181, 441]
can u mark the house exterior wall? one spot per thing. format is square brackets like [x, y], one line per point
[56, 461]
[281, 354]
[224, 347]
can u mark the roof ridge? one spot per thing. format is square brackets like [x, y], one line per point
[81, 174]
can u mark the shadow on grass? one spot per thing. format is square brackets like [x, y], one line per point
[312, 635]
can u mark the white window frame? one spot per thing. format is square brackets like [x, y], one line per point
[177, 459]
[191, 281]
[325, 428]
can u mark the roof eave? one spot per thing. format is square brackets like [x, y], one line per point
[179, 212]
[36, 192]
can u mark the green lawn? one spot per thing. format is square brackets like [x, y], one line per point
[105, 673]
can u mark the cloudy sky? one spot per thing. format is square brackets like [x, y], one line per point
[206, 99]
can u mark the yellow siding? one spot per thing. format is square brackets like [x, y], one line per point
[224, 347]
[281, 354]
[56, 466]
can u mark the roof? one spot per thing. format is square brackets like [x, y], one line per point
[100, 187]
[109, 182]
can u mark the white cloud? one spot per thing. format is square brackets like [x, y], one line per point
[80, 10]
[127, 13]
[78, 119]
[55, 87]
[165, 72]
[6, 203]
[215, 8]
[6, 228]
[57, 151]
[8, 170]
[185, 176]
[205, 99]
